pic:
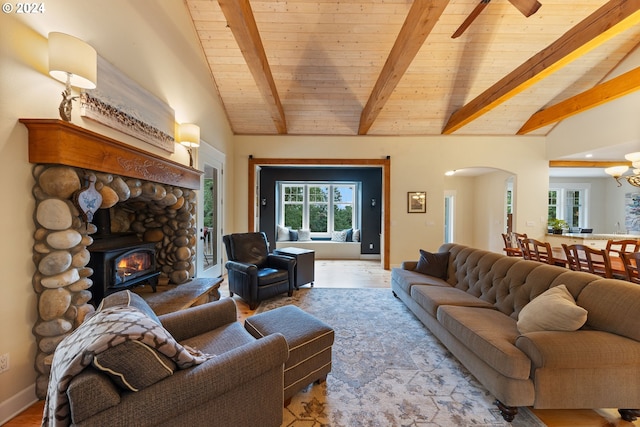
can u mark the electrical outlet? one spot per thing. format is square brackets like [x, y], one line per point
[370, 245]
[4, 362]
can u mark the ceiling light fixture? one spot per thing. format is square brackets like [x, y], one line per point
[189, 136]
[74, 63]
[617, 172]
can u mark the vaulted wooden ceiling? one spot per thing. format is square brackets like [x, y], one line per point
[391, 67]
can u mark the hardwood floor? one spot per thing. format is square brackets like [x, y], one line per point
[369, 274]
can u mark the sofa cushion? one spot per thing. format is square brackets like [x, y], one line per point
[431, 297]
[282, 233]
[128, 299]
[405, 279]
[304, 235]
[221, 340]
[583, 349]
[489, 334]
[553, 310]
[339, 236]
[123, 364]
[433, 264]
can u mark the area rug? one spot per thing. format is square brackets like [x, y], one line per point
[388, 369]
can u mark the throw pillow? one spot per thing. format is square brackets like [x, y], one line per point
[553, 310]
[339, 236]
[128, 299]
[282, 233]
[350, 235]
[304, 235]
[433, 264]
[133, 365]
[293, 235]
[356, 235]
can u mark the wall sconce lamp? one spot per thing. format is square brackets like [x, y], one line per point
[617, 172]
[74, 63]
[373, 203]
[189, 136]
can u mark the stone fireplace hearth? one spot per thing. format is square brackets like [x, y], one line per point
[147, 195]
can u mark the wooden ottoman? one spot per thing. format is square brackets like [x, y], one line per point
[309, 340]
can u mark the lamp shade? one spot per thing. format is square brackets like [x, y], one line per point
[70, 56]
[616, 171]
[189, 135]
[633, 157]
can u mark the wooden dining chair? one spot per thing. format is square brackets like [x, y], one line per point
[536, 250]
[631, 261]
[511, 245]
[586, 258]
[616, 248]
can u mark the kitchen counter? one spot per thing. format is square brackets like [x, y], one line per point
[598, 241]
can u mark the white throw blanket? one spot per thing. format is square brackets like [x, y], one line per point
[104, 330]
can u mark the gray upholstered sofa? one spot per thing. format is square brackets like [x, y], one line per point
[241, 385]
[474, 309]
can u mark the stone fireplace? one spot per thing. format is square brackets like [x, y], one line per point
[148, 198]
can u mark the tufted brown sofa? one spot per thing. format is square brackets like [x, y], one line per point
[474, 310]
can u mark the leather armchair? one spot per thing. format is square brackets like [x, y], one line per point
[254, 273]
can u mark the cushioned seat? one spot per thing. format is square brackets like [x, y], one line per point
[254, 273]
[490, 334]
[267, 276]
[405, 279]
[431, 297]
[309, 340]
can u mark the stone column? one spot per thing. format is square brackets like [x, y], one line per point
[158, 213]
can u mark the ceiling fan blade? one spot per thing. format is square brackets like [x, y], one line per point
[526, 7]
[472, 16]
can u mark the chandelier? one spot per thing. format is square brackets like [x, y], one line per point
[617, 172]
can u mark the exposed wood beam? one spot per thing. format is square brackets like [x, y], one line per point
[472, 17]
[598, 95]
[611, 19]
[586, 164]
[526, 7]
[243, 26]
[421, 19]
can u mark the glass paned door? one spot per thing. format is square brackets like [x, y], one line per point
[209, 246]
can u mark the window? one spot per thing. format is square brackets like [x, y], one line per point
[292, 204]
[553, 204]
[569, 202]
[319, 207]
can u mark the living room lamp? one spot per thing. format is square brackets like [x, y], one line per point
[617, 172]
[73, 62]
[189, 136]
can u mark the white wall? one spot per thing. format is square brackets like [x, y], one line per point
[153, 43]
[419, 164]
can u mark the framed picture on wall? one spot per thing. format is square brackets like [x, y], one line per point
[417, 202]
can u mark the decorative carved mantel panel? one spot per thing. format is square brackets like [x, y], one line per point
[53, 141]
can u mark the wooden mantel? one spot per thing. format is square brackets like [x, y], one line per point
[53, 141]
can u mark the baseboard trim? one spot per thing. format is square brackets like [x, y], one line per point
[17, 403]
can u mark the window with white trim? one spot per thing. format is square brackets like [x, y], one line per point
[321, 207]
[569, 202]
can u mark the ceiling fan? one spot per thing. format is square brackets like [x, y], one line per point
[526, 7]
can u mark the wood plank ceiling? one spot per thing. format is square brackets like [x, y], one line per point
[390, 67]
